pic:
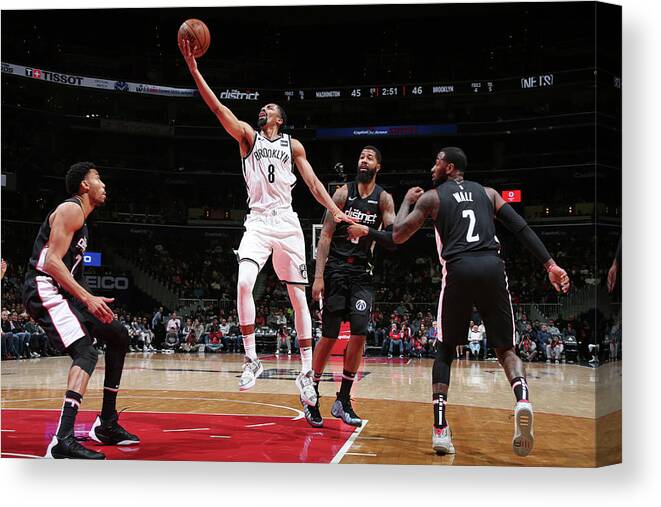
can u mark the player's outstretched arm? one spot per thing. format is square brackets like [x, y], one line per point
[316, 187]
[67, 219]
[612, 272]
[407, 222]
[518, 226]
[381, 236]
[239, 130]
[323, 247]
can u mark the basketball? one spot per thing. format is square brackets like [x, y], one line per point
[197, 33]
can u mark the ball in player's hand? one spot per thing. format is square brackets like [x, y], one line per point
[197, 34]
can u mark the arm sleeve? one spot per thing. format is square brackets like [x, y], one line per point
[618, 252]
[383, 238]
[518, 226]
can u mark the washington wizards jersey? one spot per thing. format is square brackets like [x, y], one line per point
[73, 258]
[364, 211]
[465, 221]
[269, 173]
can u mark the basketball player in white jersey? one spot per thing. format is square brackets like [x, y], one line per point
[268, 158]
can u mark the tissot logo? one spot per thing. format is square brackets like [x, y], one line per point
[53, 77]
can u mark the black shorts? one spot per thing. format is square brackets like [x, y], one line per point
[348, 295]
[64, 319]
[481, 280]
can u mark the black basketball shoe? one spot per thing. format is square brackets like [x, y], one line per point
[69, 448]
[313, 415]
[111, 433]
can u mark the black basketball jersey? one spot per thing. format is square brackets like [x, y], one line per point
[73, 259]
[363, 211]
[465, 221]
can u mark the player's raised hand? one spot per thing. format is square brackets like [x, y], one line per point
[187, 51]
[318, 289]
[559, 278]
[3, 269]
[612, 277]
[413, 195]
[357, 231]
[340, 216]
[98, 307]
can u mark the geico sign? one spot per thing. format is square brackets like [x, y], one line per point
[107, 282]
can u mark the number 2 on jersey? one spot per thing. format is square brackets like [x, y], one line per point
[470, 236]
[271, 176]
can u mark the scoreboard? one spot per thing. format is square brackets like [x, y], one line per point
[472, 87]
[544, 80]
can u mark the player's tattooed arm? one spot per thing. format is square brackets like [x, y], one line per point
[323, 247]
[239, 130]
[407, 222]
[381, 236]
[316, 187]
[387, 206]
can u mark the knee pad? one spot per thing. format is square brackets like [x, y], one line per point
[122, 338]
[248, 272]
[84, 354]
[245, 303]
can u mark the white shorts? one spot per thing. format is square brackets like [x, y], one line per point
[279, 233]
[61, 320]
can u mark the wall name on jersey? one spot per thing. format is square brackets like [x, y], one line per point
[82, 244]
[463, 196]
[272, 153]
[361, 216]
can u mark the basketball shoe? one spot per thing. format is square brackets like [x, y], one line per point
[306, 388]
[441, 440]
[111, 433]
[251, 370]
[523, 440]
[342, 409]
[69, 448]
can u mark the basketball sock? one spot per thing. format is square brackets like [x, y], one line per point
[249, 346]
[440, 401]
[347, 382]
[72, 401]
[520, 388]
[109, 402]
[306, 359]
[316, 378]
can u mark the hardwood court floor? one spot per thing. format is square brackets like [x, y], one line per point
[196, 397]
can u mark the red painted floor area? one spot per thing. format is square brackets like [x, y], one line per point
[278, 439]
[338, 359]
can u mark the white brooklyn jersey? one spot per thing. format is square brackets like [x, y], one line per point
[269, 173]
